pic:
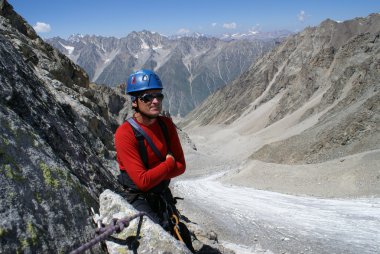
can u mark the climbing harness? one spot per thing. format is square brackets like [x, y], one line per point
[178, 229]
[117, 225]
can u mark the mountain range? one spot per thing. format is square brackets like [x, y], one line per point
[257, 35]
[321, 85]
[191, 67]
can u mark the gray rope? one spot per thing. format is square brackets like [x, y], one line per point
[115, 226]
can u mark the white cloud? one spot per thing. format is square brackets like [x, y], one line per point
[183, 31]
[214, 24]
[232, 25]
[41, 27]
[301, 16]
[255, 29]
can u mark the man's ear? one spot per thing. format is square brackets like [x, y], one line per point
[134, 100]
[134, 104]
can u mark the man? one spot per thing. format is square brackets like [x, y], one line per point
[146, 177]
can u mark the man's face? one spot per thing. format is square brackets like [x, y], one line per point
[149, 102]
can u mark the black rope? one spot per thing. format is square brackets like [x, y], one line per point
[115, 226]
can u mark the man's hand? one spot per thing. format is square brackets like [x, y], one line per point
[170, 155]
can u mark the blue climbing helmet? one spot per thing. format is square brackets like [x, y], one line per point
[143, 80]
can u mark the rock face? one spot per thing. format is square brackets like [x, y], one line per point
[148, 236]
[324, 79]
[151, 238]
[190, 67]
[56, 143]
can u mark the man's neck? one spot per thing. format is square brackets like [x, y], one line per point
[144, 119]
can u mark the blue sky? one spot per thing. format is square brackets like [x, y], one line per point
[169, 17]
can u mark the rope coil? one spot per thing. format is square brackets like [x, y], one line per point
[117, 225]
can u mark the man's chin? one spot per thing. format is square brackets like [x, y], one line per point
[154, 114]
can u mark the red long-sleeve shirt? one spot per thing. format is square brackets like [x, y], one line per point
[129, 158]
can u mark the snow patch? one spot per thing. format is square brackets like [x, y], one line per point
[144, 45]
[242, 249]
[157, 47]
[107, 59]
[285, 216]
[70, 49]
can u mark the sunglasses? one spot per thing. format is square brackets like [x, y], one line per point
[148, 97]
